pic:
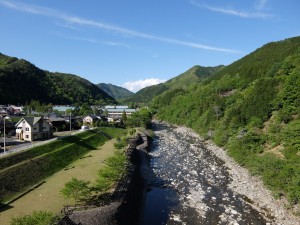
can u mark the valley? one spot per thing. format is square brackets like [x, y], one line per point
[195, 182]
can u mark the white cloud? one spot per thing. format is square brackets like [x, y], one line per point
[104, 26]
[135, 86]
[244, 14]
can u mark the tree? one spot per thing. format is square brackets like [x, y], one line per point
[85, 109]
[79, 190]
[124, 116]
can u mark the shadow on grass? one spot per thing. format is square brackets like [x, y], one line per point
[79, 141]
[4, 207]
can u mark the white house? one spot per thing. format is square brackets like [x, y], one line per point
[33, 128]
[90, 119]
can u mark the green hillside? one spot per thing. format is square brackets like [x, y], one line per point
[21, 82]
[252, 108]
[115, 91]
[193, 75]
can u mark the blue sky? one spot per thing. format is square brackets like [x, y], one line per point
[135, 43]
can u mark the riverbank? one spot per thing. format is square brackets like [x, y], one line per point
[124, 206]
[256, 194]
[47, 197]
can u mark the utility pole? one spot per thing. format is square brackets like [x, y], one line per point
[4, 143]
[70, 122]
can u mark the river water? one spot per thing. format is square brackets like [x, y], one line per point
[189, 185]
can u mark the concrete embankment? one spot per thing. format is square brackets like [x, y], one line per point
[126, 202]
[131, 207]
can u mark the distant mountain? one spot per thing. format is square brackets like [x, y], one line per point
[251, 107]
[115, 91]
[192, 76]
[21, 82]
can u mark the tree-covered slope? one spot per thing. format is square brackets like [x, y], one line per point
[252, 108]
[21, 82]
[191, 76]
[115, 91]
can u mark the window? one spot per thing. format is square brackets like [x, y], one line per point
[34, 128]
[27, 129]
[27, 136]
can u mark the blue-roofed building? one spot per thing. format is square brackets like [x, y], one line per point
[63, 108]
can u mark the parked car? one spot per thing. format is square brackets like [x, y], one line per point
[85, 127]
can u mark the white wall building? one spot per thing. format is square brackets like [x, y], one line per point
[33, 128]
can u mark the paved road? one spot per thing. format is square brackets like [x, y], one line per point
[13, 146]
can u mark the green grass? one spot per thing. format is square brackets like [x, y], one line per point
[47, 196]
[40, 150]
[20, 176]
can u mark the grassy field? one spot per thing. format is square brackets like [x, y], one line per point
[47, 197]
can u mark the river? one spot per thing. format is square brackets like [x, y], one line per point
[189, 185]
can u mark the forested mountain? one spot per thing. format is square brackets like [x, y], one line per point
[191, 76]
[21, 82]
[252, 108]
[115, 91]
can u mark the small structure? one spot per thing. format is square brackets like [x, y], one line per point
[33, 128]
[90, 119]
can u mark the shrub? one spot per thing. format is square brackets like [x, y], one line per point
[78, 190]
[36, 218]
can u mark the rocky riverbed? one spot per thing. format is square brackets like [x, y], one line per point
[195, 182]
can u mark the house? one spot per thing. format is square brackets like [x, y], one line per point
[33, 128]
[56, 122]
[15, 110]
[90, 119]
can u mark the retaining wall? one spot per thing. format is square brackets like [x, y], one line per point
[126, 203]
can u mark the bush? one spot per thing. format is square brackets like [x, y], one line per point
[36, 218]
[78, 190]
[114, 168]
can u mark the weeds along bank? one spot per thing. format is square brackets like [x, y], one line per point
[125, 175]
[21, 171]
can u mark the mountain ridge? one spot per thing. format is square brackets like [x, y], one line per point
[115, 91]
[21, 81]
[191, 76]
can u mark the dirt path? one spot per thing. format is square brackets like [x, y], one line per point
[47, 197]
